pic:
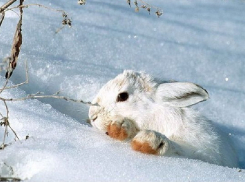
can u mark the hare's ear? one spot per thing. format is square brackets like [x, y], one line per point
[181, 94]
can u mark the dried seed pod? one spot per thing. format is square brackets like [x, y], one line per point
[144, 6]
[136, 3]
[64, 15]
[129, 2]
[137, 9]
[149, 10]
[69, 22]
[158, 13]
[64, 22]
[81, 2]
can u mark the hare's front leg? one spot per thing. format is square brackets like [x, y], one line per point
[121, 130]
[152, 142]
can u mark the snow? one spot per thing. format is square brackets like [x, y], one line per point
[201, 42]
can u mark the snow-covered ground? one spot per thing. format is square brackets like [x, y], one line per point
[200, 41]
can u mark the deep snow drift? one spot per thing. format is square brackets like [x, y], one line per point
[201, 42]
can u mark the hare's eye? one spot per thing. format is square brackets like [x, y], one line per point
[122, 97]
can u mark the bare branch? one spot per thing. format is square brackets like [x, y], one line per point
[65, 21]
[6, 120]
[7, 111]
[16, 136]
[2, 18]
[12, 62]
[59, 29]
[54, 96]
[38, 5]
[5, 123]
[6, 5]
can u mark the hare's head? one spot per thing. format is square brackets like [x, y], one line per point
[133, 94]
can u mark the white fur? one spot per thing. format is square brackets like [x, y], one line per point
[159, 112]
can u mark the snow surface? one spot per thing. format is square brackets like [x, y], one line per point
[199, 41]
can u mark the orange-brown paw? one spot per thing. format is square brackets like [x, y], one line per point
[143, 147]
[117, 131]
[121, 130]
[150, 142]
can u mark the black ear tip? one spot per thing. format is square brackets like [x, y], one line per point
[206, 92]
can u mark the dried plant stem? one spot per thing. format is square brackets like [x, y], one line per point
[2, 18]
[30, 96]
[145, 6]
[12, 62]
[4, 137]
[148, 5]
[38, 5]
[54, 96]
[66, 20]
[6, 5]
[6, 124]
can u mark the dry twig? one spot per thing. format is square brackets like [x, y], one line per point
[6, 124]
[65, 22]
[56, 95]
[12, 62]
[2, 18]
[6, 5]
[33, 4]
[39, 95]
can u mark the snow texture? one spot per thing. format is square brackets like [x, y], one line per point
[196, 41]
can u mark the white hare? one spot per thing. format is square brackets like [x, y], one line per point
[156, 118]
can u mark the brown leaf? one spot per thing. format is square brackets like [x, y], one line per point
[17, 42]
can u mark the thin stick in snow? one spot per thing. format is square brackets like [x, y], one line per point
[6, 5]
[2, 18]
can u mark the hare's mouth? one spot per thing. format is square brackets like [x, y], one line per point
[88, 121]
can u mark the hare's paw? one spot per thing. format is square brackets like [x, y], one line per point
[121, 130]
[150, 142]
